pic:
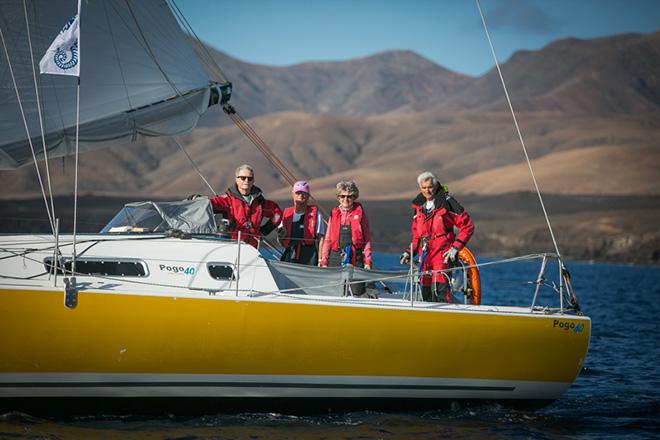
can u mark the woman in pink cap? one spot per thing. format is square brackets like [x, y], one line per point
[303, 229]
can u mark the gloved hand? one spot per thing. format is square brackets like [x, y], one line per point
[193, 196]
[367, 266]
[281, 233]
[323, 264]
[404, 258]
[451, 254]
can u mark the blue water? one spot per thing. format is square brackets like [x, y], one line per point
[616, 396]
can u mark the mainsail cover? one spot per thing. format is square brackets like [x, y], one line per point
[139, 76]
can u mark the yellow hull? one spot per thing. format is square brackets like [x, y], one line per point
[233, 343]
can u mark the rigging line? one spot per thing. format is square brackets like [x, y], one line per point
[114, 45]
[72, 272]
[27, 131]
[215, 65]
[261, 145]
[515, 121]
[150, 51]
[41, 122]
[75, 184]
[194, 165]
[275, 162]
[390, 275]
[152, 55]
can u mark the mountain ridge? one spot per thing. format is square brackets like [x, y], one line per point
[397, 113]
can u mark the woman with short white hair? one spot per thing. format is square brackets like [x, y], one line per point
[348, 237]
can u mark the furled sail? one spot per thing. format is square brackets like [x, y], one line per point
[139, 76]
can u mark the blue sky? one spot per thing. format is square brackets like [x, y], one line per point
[448, 32]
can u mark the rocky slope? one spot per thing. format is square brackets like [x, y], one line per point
[589, 111]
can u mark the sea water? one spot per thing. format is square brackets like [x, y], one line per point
[616, 396]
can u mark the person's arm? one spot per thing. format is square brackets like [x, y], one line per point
[415, 234]
[320, 232]
[461, 219]
[222, 204]
[409, 253]
[325, 252]
[465, 229]
[273, 213]
[366, 232]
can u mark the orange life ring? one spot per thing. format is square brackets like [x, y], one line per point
[472, 275]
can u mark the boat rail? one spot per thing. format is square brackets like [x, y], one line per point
[345, 278]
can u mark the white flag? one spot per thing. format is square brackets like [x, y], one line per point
[63, 55]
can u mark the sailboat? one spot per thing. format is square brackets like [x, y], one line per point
[160, 304]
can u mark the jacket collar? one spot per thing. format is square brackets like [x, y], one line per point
[255, 193]
[439, 198]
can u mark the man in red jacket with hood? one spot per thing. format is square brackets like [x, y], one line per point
[247, 209]
[436, 213]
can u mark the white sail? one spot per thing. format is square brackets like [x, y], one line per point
[140, 77]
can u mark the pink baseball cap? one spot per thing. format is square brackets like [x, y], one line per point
[300, 185]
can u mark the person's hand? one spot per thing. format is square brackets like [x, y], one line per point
[367, 266]
[281, 233]
[404, 258]
[323, 264]
[451, 254]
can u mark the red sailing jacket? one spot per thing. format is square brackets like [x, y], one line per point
[332, 237]
[437, 227]
[309, 237]
[254, 219]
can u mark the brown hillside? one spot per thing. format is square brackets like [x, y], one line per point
[324, 140]
[593, 170]
[473, 152]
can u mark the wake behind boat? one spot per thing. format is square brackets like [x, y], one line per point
[162, 305]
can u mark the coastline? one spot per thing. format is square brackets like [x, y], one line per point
[613, 229]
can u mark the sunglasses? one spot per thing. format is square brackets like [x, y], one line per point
[345, 196]
[248, 178]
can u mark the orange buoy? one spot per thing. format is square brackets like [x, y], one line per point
[472, 275]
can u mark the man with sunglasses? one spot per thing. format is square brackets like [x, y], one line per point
[247, 209]
[303, 229]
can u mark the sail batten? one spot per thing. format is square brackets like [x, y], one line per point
[140, 77]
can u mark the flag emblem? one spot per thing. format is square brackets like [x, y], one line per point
[63, 57]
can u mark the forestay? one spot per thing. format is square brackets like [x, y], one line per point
[139, 76]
